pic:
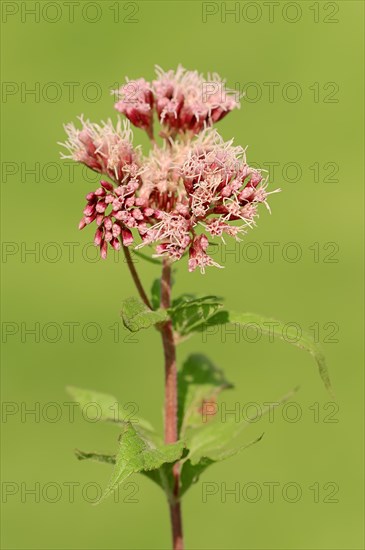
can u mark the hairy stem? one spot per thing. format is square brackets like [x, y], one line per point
[135, 277]
[171, 420]
[176, 523]
[170, 359]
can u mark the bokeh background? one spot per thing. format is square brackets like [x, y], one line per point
[301, 66]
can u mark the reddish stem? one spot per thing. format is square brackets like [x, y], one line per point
[170, 360]
[171, 403]
[135, 277]
[176, 523]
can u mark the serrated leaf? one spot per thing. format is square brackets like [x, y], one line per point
[136, 315]
[138, 454]
[97, 457]
[216, 441]
[188, 313]
[214, 437]
[182, 299]
[188, 299]
[162, 476]
[191, 470]
[190, 473]
[199, 380]
[275, 328]
[109, 409]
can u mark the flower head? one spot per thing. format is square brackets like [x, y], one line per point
[215, 187]
[198, 256]
[193, 189]
[103, 148]
[186, 101]
[116, 210]
[135, 100]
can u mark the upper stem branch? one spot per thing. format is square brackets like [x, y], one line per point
[135, 277]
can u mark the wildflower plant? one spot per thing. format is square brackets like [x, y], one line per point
[173, 204]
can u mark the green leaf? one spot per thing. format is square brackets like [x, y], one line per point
[163, 476]
[199, 380]
[137, 454]
[191, 470]
[156, 293]
[136, 315]
[190, 473]
[189, 313]
[105, 407]
[215, 441]
[273, 328]
[97, 457]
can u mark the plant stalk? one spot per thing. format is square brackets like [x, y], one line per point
[171, 403]
[135, 277]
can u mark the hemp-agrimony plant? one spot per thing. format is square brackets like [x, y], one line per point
[187, 192]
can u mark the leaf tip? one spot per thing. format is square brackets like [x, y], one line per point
[79, 454]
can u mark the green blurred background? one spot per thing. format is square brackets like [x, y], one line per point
[318, 47]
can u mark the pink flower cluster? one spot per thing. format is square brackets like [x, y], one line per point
[103, 148]
[184, 101]
[191, 190]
